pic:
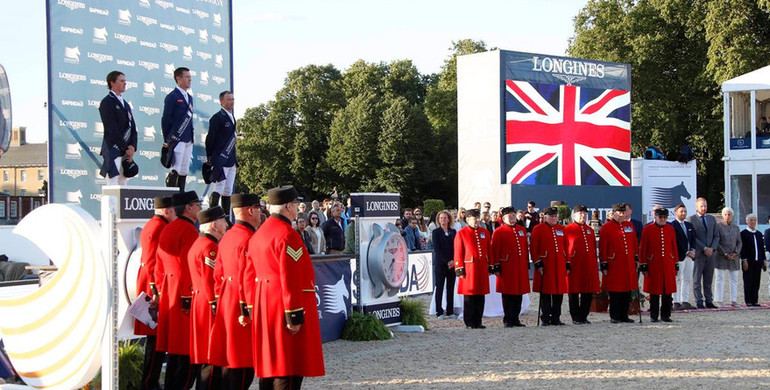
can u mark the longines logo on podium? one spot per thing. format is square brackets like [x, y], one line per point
[137, 202]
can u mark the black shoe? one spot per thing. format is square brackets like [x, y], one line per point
[578, 322]
[653, 320]
[678, 306]
[586, 322]
[627, 320]
[519, 324]
[666, 319]
[614, 321]
[514, 325]
[700, 306]
[481, 327]
[687, 306]
[710, 305]
[544, 323]
[557, 322]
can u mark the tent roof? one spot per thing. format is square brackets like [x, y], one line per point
[755, 80]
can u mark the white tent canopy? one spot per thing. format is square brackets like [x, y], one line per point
[758, 80]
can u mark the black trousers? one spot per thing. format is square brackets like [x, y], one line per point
[207, 377]
[179, 373]
[619, 305]
[551, 307]
[237, 378]
[511, 309]
[751, 278]
[580, 306]
[444, 277]
[281, 383]
[664, 308]
[473, 310]
[153, 362]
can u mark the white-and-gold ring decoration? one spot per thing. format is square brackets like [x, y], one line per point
[54, 334]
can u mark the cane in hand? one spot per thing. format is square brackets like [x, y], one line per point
[540, 290]
[639, 294]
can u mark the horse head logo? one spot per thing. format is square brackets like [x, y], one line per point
[669, 197]
[335, 297]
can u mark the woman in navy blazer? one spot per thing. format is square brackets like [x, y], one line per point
[443, 263]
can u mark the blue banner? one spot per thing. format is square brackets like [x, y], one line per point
[547, 69]
[332, 283]
[146, 40]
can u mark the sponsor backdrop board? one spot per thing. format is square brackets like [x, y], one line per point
[666, 183]
[146, 40]
[333, 288]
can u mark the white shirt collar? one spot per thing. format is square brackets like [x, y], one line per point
[751, 230]
[230, 114]
[119, 96]
[184, 93]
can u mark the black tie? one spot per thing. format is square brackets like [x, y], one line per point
[703, 218]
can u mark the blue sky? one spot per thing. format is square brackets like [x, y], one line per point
[272, 37]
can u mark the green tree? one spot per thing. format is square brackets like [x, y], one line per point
[352, 153]
[441, 110]
[405, 128]
[285, 140]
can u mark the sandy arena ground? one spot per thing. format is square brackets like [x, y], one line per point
[704, 349]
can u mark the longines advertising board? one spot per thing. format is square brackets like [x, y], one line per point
[146, 40]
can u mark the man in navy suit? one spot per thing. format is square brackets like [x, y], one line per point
[119, 130]
[220, 152]
[178, 128]
[637, 224]
[706, 242]
[685, 243]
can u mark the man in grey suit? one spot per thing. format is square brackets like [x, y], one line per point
[706, 242]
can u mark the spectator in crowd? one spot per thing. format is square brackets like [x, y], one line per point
[333, 231]
[327, 204]
[315, 207]
[317, 239]
[302, 208]
[531, 217]
[477, 206]
[407, 216]
[432, 223]
[728, 262]
[753, 256]
[423, 228]
[487, 207]
[486, 221]
[496, 220]
[685, 244]
[596, 221]
[350, 238]
[767, 236]
[706, 242]
[520, 219]
[460, 220]
[413, 239]
[302, 230]
[400, 227]
[443, 238]
[346, 214]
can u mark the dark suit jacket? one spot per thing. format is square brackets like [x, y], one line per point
[767, 239]
[174, 113]
[220, 143]
[749, 249]
[116, 118]
[638, 227]
[684, 240]
[335, 236]
[705, 237]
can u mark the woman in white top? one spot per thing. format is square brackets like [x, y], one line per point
[317, 238]
[460, 220]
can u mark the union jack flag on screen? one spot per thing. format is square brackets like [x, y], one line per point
[567, 135]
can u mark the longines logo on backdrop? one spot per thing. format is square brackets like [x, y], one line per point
[168, 47]
[166, 90]
[96, 197]
[204, 97]
[218, 80]
[146, 20]
[94, 103]
[95, 149]
[149, 154]
[73, 173]
[567, 66]
[149, 110]
[186, 30]
[200, 14]
[99, 57]
[203, 55]
[74, 125]
[131, 84]
[72, 5]
[164, 4]
[72, 77]
[125, 38]
[149, 65]
[217, 38]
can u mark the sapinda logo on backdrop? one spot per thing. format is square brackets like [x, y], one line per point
[331, 298]
[418, 274]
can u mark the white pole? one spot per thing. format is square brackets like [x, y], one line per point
[110, 339]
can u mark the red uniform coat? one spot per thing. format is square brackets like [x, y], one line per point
[148, 240]
[581, 252]
[228, 337]
[173, 324]
[658, 250]
[472, 249]
[201, 260]
[617, 252]
[511, 251]
[284, 289]
[548, 246]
